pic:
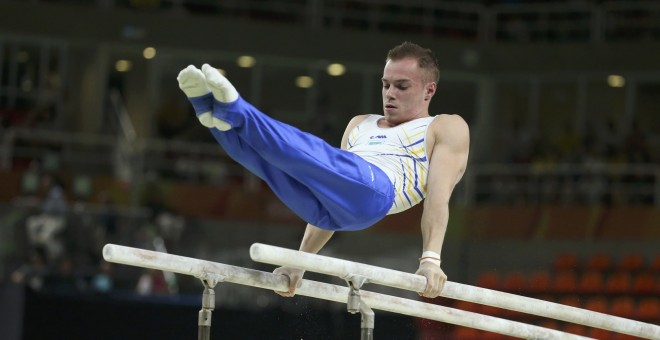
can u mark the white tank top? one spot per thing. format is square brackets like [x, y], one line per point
[400, 152]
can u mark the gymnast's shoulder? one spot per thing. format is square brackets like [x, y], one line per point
[450, 126]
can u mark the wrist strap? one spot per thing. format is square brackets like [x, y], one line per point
[430, 256]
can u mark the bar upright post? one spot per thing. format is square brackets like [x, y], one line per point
[355, 304]
[208, 305]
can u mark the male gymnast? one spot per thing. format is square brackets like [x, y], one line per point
[387, 163]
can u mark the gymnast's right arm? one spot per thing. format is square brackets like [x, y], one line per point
[315, 238]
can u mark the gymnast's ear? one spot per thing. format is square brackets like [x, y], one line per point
[429, 90]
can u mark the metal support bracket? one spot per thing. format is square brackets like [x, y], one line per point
[355, 304]
[209, 280]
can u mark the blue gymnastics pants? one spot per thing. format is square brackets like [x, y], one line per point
[327, 187]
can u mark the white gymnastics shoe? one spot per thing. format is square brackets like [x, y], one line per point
[193, 84]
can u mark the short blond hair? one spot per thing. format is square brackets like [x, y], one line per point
[426, 60]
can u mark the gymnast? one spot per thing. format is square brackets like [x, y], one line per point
[387, 163]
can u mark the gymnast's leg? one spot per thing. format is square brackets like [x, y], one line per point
[349, 193]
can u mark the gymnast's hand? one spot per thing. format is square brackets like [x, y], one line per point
[435, 279]
[295, 279]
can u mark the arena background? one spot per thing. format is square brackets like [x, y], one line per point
[560, 201]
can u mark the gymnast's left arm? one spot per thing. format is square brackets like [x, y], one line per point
[447, 164]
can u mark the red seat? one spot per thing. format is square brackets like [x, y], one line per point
[631, 263]
[489, 280]
[565, 261]
[465, 333]
[514, 282]
[600, 334]
[575, 329]
[655, 264]
[618, 283]
[492, 311]
[623, 307]
[565, 283]
[597, 304]
[644, 283]
[570, 300]
[648, 310]
[467, 306]
[602, 262]
[591, 282]
[539, 282]
[620, 336]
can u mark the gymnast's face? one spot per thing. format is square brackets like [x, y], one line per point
[406, 93]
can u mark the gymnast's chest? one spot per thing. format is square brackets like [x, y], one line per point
[376, 139]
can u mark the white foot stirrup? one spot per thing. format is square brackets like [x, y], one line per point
[193, 84]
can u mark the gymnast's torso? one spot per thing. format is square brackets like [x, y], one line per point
[399, 151]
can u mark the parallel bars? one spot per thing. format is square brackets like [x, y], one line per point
[388, 277]
[212, 273]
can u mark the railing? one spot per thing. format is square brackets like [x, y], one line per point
[521, 22]
[564, 183]
[91, 154]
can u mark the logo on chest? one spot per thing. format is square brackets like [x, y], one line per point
[377, 139]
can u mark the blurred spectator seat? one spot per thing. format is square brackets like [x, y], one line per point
[598, 333]
[631, 263]
[565, 261]
[620, 336]
[467, 306]
[565, 283]
[624, 307]
[597, 304]
[568, 222]
[488, 223]
[570, 300]
[489, 280]
[490, 310]
[466, 333]
[648, 310]
[591, 282]
[645, 283]
[655, 265]
[602, 262]
[618, 283]
[539, 282]
[575, 329]
[514, 282]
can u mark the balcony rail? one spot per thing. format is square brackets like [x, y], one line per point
[564, 183]
[468, 21]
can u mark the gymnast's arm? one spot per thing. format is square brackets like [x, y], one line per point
[448, 161]
[315, 238]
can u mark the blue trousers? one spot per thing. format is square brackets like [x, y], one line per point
[327, 187]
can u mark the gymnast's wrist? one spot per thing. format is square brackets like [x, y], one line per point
[430, 257]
